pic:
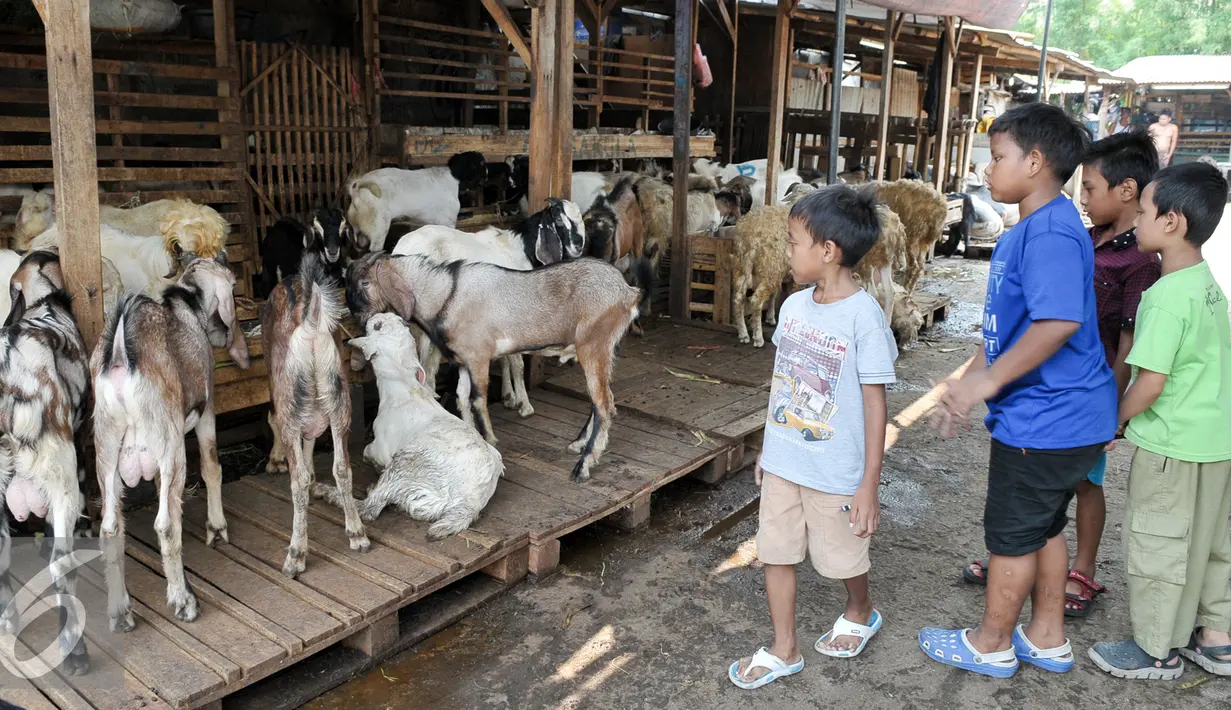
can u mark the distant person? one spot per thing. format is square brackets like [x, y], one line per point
[1178, 412]
[1115, 170]
[1166, 135]
[820, 466]
[1051, 397]
[1125, 124]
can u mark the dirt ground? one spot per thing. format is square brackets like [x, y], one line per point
[654, 618]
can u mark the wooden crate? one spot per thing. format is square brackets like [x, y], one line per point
[711, 277]
[934, 307]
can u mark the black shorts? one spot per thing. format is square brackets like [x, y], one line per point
[1028, 494]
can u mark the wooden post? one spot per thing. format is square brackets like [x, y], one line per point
[681, 244]
[838, 59]
[882, 140]
[946, 90]
[777, 97]
[734, 64]
[562, 117]
[976, 112]
[371, 48]
[70, 86]
[542, 102]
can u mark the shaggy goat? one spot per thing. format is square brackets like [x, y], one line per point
[183, 225]
[285, 243]
[309, 394]
[875, 270]
[426, 196]
[922, 209]
[153, 371]
[546, 237]
[43, 383]
[477, 312]
[436, 467]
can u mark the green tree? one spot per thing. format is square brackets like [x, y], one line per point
[1113, 32]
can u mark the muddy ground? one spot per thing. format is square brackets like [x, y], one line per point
[653, 619]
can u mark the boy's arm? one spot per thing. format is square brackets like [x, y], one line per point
[1122, 370]
[865, 508]
[1145, 390]
[1136, 282]
[1158, 339]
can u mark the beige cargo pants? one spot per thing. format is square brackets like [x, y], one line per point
[1178, 549]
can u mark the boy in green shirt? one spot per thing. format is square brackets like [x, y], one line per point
[1178, 413]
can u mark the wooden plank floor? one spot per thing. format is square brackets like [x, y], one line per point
[255, 622]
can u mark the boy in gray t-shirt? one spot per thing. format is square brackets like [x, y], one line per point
[820, 466]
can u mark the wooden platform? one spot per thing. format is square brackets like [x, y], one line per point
[255, 622]
[934, 307]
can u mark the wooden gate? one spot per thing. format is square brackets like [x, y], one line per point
[306, 125]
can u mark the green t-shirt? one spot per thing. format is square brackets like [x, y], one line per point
[1183, 332]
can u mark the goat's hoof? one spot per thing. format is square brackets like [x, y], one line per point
[744, 339]
[636, 329]
[187, 609]
[758, 343]
[581, 473]
[491, 439]
[214, 534]
[294, 564]
[510, 402]
[122, 622]
[76, 663]
[277, 466]
[359, 542]
[525, 411]
[576, 447]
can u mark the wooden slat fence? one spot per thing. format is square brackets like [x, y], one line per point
[306, 126]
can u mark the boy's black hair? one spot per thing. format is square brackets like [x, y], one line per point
[1165, 112]
[1197, 191]
[843, 216]
[1057, 135]
[1124, 156]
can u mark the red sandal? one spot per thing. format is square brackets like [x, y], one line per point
[1078, 606]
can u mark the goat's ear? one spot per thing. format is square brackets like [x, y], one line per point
[313, 233]
[370, 187]
[420, 375]
[624, 262]
[394, 288]
[238, 346]
[547, 246]
[18, 309]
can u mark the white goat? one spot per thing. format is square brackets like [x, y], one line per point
[43, 385]
[553, 234]
[153, 372]
[113, 287]
[424, 196]
[478, 312]
[755, 169]
[586, 187]
[436, 467]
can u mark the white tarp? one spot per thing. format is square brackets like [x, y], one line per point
[1001, 14]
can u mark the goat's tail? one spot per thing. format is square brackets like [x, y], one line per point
[116, 348]
[326, 307]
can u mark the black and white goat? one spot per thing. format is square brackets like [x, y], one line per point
[285, 243]
[309, 394]
[153, 371]
[43, 380]
[426, 196]
[478, 312]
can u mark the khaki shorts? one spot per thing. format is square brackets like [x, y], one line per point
[796, 519]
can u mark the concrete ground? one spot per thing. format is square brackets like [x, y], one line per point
[654, 618]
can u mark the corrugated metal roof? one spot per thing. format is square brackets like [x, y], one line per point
[1179, 69]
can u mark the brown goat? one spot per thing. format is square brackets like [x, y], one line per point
[307, 382]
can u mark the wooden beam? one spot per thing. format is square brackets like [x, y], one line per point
[542, 103]
[882, 140]
[504, 21]
[946, 86]
[730, 143]
[562, 117]
[70, 80]
[726, 18]
[781, 49]
[838, 62]
[588, 13]
[897, 26]
[975, 115]
[681, 242]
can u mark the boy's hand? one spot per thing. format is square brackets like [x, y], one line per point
[756, 473]
[965, 393]
[865, 511]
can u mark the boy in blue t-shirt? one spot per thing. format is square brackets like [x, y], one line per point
[1051, 397]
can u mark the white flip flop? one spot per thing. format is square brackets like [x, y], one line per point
[777, 667]
[846, 627]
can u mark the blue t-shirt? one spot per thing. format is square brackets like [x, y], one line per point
[1043, 269]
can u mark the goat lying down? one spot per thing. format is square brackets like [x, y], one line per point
[309, 394]
[546, 237]
[436, 468]
[477, 312]
[153, 372]
[42, 401]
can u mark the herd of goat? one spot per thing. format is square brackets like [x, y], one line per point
[565, 282]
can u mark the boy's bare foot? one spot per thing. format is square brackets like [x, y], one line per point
[858, 615]
[789, 656]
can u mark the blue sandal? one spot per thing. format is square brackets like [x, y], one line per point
[952, 648]
[1057, 660]
[1207, 656]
